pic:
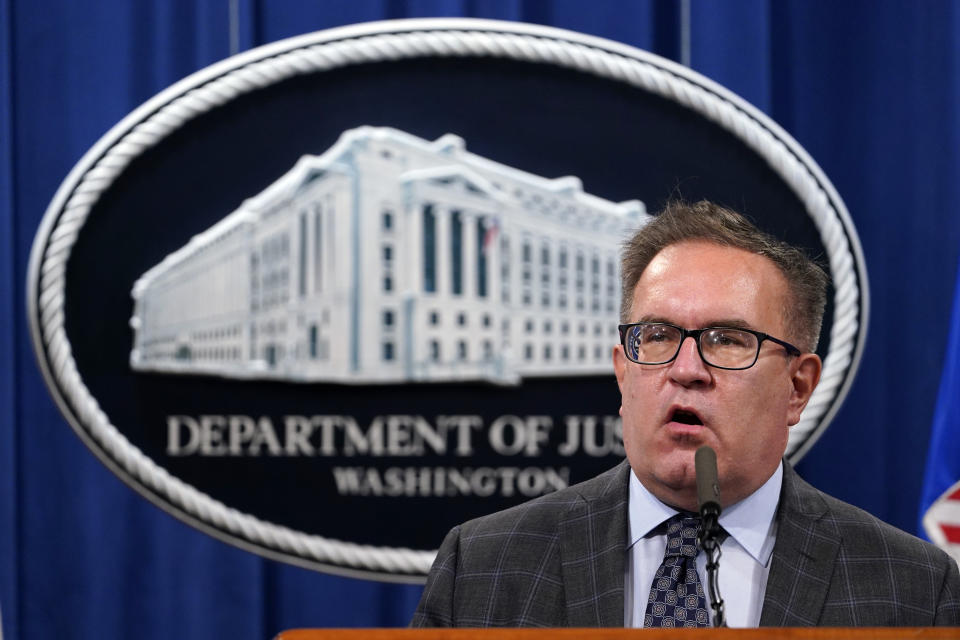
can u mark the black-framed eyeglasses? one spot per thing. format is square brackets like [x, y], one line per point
[720, 347]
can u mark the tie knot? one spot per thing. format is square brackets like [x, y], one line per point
[682, 532]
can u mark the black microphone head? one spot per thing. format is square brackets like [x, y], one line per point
[708, 484]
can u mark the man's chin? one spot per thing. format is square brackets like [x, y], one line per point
[677, 485]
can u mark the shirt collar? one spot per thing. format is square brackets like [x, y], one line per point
[749, 521]
[646, 511]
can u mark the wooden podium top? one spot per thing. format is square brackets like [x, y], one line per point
[775, 633]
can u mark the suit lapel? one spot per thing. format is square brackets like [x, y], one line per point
[803, 556]
[593, 543]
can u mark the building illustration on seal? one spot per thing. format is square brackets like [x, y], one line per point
[390, 258]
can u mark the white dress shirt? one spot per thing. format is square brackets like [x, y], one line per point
[745, 561]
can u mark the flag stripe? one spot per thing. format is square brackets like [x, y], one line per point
[952, 533]
[947, 511]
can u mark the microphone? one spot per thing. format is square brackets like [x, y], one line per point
[708, 499]
[708, 485]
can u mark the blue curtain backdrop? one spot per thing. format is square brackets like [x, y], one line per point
[870, 89]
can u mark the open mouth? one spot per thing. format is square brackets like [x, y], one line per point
[686, 417]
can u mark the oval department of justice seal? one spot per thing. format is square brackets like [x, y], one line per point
[370, 275]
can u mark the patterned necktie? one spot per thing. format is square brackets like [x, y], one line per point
[676, 596]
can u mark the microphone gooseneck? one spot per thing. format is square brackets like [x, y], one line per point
[708, 499]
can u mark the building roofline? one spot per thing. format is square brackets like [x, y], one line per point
[332, 160]
[453, 146]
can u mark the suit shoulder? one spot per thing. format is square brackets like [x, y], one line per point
[544, 512]
[872, 573]
[506, 569]
[867, 535]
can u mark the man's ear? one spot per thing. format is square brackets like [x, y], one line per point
[805, 375]
[619, 365]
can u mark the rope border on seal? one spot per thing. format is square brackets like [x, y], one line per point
[451, 38]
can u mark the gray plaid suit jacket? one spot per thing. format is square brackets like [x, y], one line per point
[559, 561]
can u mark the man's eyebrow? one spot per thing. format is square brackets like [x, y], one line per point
[733, 323]
[659, 319]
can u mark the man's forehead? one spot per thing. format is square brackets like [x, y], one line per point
[711, 285]
[698, 258]
[735, 322]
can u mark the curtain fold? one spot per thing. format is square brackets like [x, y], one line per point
[10, 305]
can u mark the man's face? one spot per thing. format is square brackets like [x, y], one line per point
[744, 415]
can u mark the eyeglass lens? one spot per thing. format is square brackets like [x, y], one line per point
[723, 347]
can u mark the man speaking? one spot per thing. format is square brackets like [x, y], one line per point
[721, 322]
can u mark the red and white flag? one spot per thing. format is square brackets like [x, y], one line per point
[493, 228]
[942, 521]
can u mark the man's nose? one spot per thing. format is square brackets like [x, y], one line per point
[689, 368]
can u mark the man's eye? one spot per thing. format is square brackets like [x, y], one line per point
[657, 336]
[729, 338]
